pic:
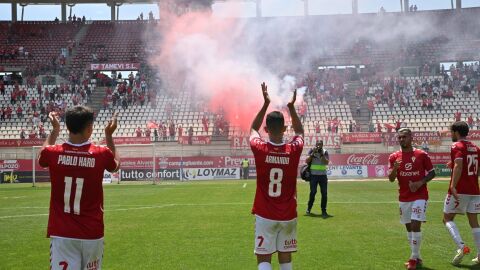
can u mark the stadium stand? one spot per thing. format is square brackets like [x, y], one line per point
[334, 101]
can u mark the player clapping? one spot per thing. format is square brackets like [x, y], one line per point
[275, 205]
[75, 223]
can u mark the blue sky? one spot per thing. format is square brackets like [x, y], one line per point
[247, 9]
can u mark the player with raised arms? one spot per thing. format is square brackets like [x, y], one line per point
[275, 205]
[413, 169]
[463, 193]
[75, 222]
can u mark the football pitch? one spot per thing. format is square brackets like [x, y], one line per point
[208, 225]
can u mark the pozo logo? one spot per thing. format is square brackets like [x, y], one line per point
[210, 173]
[9, 165]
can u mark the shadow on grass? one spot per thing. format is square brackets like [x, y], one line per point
[318, 216]
[424, 268]
[466, 266]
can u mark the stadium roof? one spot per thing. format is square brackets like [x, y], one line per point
[57, 2]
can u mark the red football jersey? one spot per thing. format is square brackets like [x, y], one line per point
[414, 167]
[76, 201]
[277, 166]
[468, 153]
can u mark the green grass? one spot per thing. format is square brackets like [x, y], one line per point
[208, 225]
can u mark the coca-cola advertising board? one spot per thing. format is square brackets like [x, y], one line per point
[358, 159]
[376, 164]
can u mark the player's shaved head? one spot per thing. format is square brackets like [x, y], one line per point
[78, 118]
[275, 122]
[404, 136]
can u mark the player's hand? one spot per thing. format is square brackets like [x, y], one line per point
[453, 190]
[450, 165]
[53, 116]
[397, 163]
[294, 97]
[112, 125]
[414, 186]
[266, 97]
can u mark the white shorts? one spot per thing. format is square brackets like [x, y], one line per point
[415, 210]
[75, 254]
[272, 236]
[464, 204]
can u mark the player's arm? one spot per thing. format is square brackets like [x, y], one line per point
[392, 174]
[52, 137]
[296, 123]
[427, 165]
[456, 174]
[257, 122]
[109, 130]
[43, 156]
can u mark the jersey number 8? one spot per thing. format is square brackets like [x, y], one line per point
[275, 186]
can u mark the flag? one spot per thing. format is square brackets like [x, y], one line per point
[152, 124]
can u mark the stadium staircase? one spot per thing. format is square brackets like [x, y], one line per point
[363, 119]
[96, 99]
[78, 39]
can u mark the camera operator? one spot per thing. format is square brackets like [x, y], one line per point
[319, 159]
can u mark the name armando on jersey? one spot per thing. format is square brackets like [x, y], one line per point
[76, 161]
[277, 160]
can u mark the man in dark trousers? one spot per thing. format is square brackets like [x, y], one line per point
[319, 159]
[245, 168]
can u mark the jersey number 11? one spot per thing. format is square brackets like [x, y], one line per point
[76, 199]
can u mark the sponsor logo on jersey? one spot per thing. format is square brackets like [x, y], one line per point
[408, 166]
[292, 243]
[417, 210]
[93, 265]
[414, 173]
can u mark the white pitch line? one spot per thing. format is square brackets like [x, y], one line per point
[24, 207]
[140, 207]
[18, 216]
[244, 185]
